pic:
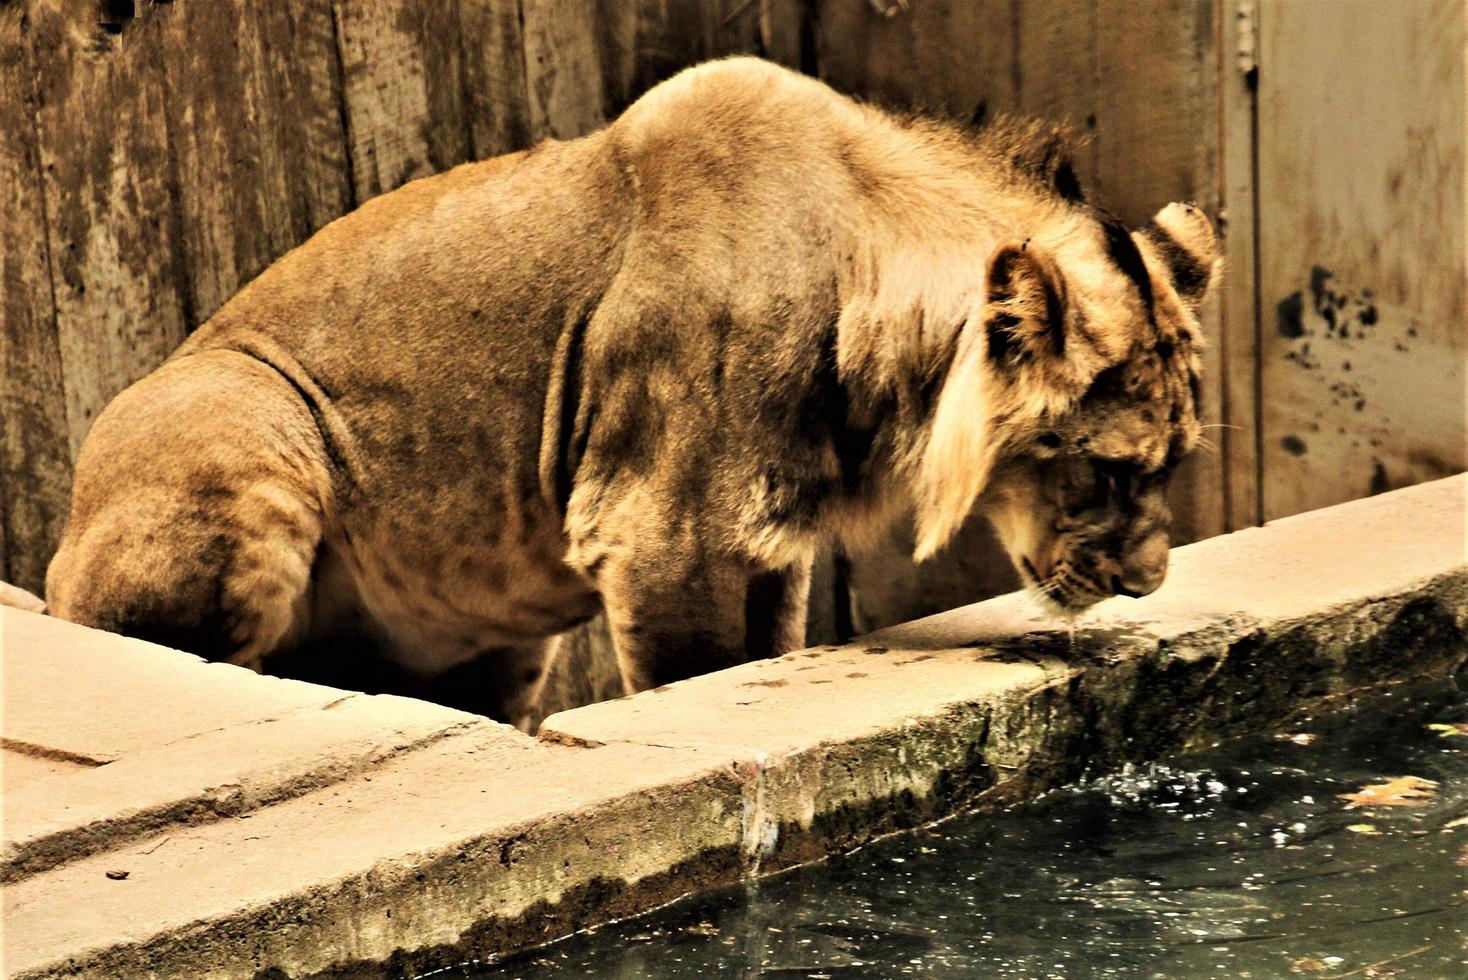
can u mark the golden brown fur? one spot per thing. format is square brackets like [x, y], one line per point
[650, 370]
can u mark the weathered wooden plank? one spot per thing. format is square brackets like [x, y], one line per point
[1148, 113]
[114, 257]
[495, 97]
[1363, 248]
[35, 461]
[1157, 141]
[786, 33]
[647, 41]
[563, 67]
[1237, 339]
[1057, 70]
[404, 90]
[255, 126]
[954, 57]
[587, 60]
[303, 141]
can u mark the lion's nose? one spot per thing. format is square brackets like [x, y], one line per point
[1143, 568]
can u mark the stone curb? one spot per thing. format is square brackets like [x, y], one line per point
[205, 777]
[478, 844]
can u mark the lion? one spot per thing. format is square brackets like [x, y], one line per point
[650, 372]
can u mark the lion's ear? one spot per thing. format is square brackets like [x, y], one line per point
[1024, 319]
[1182, 237]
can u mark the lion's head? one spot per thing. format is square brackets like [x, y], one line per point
[1085, 371]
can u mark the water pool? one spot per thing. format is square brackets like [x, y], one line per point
[1241, 861]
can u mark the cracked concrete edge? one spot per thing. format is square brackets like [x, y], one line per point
[196, 779]
[501, 886]
[1000, 749]
[1153, 696]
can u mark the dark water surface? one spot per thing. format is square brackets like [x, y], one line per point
[1241, 861]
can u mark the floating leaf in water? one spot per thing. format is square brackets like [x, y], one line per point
[1308, 964]
[1402, 791]
[1363, 828]
[1448, 731]
[1299, 738]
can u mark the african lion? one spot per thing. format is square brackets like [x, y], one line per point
[650, 371]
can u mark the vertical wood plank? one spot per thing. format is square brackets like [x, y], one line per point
[303, 140]
[1057, 70]
[647, 41]
[587, 60]
[953, 57]
[115, 261]
[1157, 141]
[1363, 248]
[563, 68]
[495, 96]
[35, 460]
[255, 129]
[1238, 334]
[404, 90]
[785, 33]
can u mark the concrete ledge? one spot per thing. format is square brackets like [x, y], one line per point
[393, 842]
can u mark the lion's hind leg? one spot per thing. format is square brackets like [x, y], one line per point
[197, 512]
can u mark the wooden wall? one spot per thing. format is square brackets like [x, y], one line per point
[154, 156]
[1141, 79]
[1363, 248]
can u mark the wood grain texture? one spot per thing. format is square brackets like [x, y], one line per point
[1170, 151]
[785, 33]
[496, 102]
[403, 87]
[1057, 70]
[1363, 254]
[35, 458]
[255, 120]
[563, 67]
[116, 262]
[1237, 339]
[647, 41]
[953, 57]
[303, 140]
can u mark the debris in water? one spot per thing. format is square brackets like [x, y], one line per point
[1448, 731]
[1402, 791]
[1308, 964]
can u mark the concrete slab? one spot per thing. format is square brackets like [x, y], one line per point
[289, 830]
[138, 695]
[466, 847]
[217, 774]
[18, 768]
[990, 704]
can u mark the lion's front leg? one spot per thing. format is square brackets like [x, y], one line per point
[675, 615]
[775, 610]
